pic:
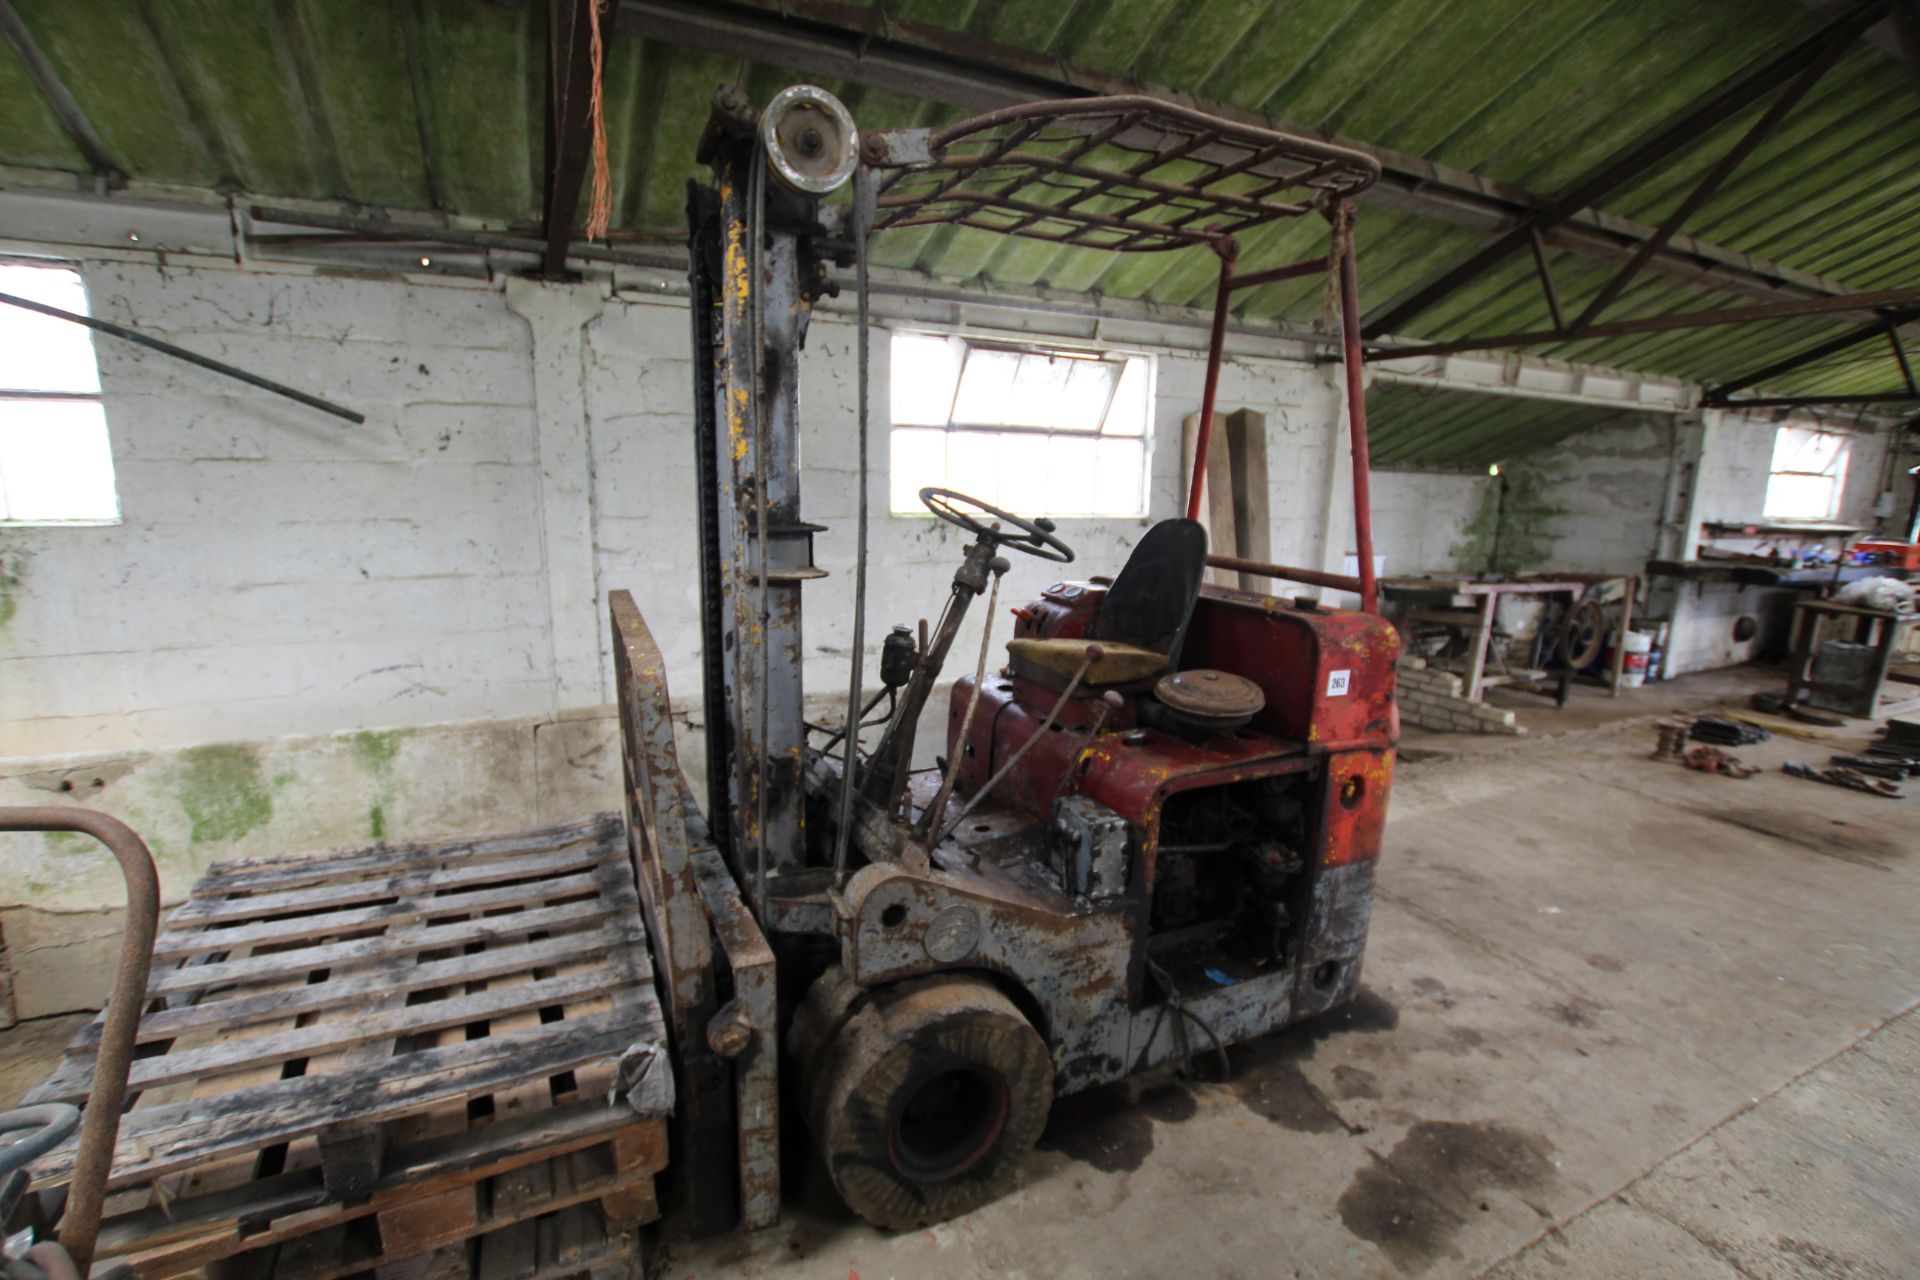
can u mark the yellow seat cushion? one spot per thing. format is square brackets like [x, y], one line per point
[1117, 663]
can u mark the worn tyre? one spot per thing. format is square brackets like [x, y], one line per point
[922, 1097]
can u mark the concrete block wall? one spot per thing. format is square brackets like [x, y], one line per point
[1431, 698]
[284, 584]
[1737, 458]
[1610, 490]
[1420, 518]
[1600, 498]
[277, 570]
[1611, 498]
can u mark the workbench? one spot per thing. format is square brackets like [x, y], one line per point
[1477, 621]
[1813, 620]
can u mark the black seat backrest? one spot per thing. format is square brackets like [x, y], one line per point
[1151, 601]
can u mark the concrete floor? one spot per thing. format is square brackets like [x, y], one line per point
[1620, 1019]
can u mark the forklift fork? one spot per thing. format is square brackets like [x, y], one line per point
[721, 1011]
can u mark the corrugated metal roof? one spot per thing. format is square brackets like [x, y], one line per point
[438, 104]
[1416, 427]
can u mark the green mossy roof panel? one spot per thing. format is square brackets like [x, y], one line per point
[427, 102]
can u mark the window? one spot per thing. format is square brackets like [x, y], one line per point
[1039, 431]
[55, 466]
[1809, 472]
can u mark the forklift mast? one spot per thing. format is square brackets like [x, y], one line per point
[1154, 828]
[756, 273]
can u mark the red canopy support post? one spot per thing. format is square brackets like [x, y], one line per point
[1354, 367]
[1216, 346]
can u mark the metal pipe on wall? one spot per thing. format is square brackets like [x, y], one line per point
[220, 367]
[93, 1162]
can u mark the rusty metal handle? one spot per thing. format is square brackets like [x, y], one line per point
[87, 1193]
[1286, 573]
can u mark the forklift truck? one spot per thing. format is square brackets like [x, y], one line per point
[1152, 831]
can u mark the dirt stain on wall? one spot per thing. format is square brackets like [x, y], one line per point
[223, 792]
[376, 751]
[1514, 529]
[12, 569]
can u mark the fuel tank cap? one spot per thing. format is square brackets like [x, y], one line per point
[1206, 699]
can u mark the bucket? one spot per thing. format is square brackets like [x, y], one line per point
[1633, 671]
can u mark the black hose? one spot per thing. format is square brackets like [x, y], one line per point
[46, 1126]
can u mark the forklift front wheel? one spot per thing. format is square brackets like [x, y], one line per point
[924, 1097]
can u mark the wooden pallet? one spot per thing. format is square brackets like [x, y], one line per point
[388, 1060]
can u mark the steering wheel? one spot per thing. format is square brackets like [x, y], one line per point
[1039, 540]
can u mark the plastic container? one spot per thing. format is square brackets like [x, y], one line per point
[1639, 647]
[1657, 654]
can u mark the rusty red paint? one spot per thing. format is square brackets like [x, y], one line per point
[1354, 807]
[1291, 652]
[1328, 677]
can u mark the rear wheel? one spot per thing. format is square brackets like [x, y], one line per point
[923, 1097]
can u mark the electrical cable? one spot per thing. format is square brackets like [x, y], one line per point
[1183, 1050]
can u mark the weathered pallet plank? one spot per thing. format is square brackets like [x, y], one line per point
[387, 946]
[177, 1135]
[430, 879]
[559, 1231]
[618, 936]
[287, 1204]
[288, 870]
[75, 1076]
[387, 1054]
[201, 940]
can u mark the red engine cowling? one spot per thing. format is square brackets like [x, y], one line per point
[1328, 680]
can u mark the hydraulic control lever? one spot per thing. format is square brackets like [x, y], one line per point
[892, 759]
[992, 529]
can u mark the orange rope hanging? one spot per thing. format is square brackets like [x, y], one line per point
[600, 207]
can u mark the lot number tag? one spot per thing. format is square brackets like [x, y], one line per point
[1337, 683]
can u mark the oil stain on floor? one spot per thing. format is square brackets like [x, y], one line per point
[1816, 833]
[1412, 1201]
[1111, 1127]
[1268, 1078]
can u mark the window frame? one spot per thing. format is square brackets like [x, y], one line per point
[1836, 473]
[11, 395]
[1119, 358]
